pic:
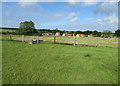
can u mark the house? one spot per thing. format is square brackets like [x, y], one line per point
[90, 35]
[43, 34]
[64, 34]
[80, 35]
[57, 34]
[47, 34]
[69, 34]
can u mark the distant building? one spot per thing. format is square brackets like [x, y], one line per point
[90, 35]
[69, 34]
[43, 34]
[57, 34]
[64, 34]
[47, 34]
[73, 34]
[80, 35]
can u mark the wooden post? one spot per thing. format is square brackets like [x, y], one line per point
[54, 39]
[37, 39]
[75, 41]
[33, 37]
[97, 41]
[23, 38]
[10, 37]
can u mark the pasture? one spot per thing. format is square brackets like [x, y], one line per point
[58, 64]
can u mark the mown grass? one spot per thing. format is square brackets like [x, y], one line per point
[58, 64]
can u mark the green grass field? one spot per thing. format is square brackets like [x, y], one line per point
[58, 64]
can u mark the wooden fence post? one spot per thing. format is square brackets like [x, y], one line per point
[97, 41]
[75, 41]
[54, 39]
[33, 37]
[37, 39]
[23, 38]
[10, 37]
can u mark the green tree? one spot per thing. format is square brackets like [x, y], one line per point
[27, 28]
[40, 33]
[117, 32]
[56, 30]
[7, 32]
[96, 33]
[107, 33]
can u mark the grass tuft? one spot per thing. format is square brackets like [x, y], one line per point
[88, 55]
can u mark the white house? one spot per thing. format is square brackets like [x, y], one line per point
[64, 34]
[57, 34]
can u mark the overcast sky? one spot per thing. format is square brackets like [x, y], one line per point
[62, 15]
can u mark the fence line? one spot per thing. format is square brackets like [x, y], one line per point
[87, 37]
[85, 41]
[75, 41]
[98, 41]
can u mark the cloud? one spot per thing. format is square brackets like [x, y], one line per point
[111, 19]
[27, 3]
[87, 26]
[7, 13]
[29, 0]
[89, 18]
[74, 19]
[89, 3]
[71, 15]
[83, 2]
[108, 8]
[63, 0]
[98, 21]
[72, 2]
[58, 15]
[52, 17]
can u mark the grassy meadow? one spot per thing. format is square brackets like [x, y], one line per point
[58, 64]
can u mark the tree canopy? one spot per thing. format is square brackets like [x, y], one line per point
[107, 33]
[117, 32]
[27, 28]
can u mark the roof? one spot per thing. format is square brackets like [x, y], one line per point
[58, 33]
[81, 34]
[64, 33]
[69, 34]
[90, 34]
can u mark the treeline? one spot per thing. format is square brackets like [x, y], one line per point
[28, 28]
[7, 28]
[106, 33]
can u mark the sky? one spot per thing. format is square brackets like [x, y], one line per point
[70, 16]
